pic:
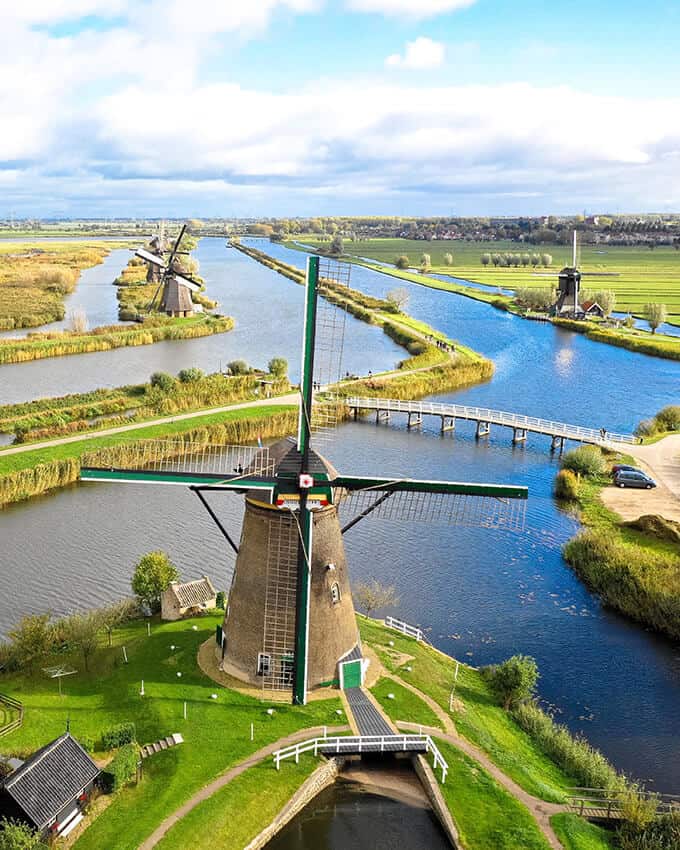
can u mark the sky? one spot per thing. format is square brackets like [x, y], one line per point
[199, 108]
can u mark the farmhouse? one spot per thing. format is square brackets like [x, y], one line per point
[49, 790]
[592, 308]
[188, 599]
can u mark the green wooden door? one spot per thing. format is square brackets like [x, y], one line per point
[351, 674]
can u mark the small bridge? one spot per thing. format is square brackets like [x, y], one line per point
[485, 418]
[600, 804]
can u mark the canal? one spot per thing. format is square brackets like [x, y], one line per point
[482, 595]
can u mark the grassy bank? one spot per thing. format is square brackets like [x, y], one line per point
[34, 473]
[36, 277]
[643, 342]
[575, 833]
[38, 346]
[633, 567]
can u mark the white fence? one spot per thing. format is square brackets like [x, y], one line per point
[491, 417]
[404, 628]
[364, 744]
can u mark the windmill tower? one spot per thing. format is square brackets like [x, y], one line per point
[290, 619]
[568, 304]
[174, 287]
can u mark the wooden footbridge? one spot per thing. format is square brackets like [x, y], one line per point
[559, 432]
[603, 805]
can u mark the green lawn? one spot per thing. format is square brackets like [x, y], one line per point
[405, 706]
[216, 732]
[487, 816]
[232, 817]
[575, 833]
[482, 721]
[644, 275]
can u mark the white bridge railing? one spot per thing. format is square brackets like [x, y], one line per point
[404, 628]
[364, 744]
[491, 417]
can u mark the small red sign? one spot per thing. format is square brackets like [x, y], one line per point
[306, 481]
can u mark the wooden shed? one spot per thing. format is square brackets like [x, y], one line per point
[188, 599]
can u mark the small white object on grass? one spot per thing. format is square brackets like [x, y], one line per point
[408, 669]
[194, 628]
[338, 711]
[270, 711]
[391, 643]
[172, 646]
[390, 696]
[213, 696]
[179, 675]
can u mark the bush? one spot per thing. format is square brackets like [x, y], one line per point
[119, 735]
[566, 485]
[122, 768]
[163, 381]
[668, 419]
[662, 834]
[646, 428]
[238, 367]
[278, 366]
[220, 599]
[87, 743]
[16, 835]
[188, 376]
[585, 460]
[402, 262]
[415, 348]
[513, 681]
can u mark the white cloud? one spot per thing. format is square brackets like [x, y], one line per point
[409, 8]
[420, 54]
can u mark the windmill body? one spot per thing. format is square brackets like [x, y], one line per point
[174, 286]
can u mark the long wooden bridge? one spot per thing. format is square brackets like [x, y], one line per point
[485, 418]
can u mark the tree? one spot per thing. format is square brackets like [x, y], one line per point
[448, 259]
[541, 298]
[496, 259]
[526, 259]
[402, 262]
[373, 596]
[163, 380]
[514, 681]
[486, 259]
[238, 367]
[425, 263]
[16, 835]
[607, 300]
[655, 314]
[546, 259]
[188, 376]
[336, 245]
[398, 297]
[33, 638]
[153, 574]
[535, 260]
[82, 633]
[278, 366]
[117, 613]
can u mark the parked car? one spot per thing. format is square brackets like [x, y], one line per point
[634, 478]
[624, 467]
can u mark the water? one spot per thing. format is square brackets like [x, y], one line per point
[347, 815]
[482, 595]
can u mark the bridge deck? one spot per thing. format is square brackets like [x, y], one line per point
[487, 416]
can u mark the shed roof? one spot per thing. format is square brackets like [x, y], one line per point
[194, 592]
[51, 778]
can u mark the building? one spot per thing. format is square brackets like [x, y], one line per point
[49, 790]
[176, 300]
[592, 308]
[188, 599]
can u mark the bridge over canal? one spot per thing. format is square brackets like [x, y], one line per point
[559, 432]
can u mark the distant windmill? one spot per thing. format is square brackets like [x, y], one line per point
[290, 623]
[568, 304]
[174, 287]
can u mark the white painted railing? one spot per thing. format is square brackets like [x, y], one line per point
[491, 417]
[404, 628]
[363, 744]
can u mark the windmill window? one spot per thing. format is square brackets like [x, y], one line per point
[335, 593]
[264, 663]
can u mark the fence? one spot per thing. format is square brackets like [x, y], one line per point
[404, 628]
[601, 804]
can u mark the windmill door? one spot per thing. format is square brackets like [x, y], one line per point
[351, 674]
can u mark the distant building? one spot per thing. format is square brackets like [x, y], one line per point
[185, 600]
[592, 308]
[49, 790]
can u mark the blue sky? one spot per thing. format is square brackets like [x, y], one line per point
[303, 107]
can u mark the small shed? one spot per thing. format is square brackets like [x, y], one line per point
[188, 599]
[50, 789]
[592, 308]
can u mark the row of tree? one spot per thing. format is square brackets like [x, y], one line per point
[509, 259]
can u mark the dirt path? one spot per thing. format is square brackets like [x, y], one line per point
[226, 778]
[662, 461]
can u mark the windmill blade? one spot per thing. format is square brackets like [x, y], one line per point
[175, 247]
[545, 274]
[148, 257]
[421, 485]
[600, 274]
[184, 281]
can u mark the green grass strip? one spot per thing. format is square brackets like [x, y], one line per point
[575, 833]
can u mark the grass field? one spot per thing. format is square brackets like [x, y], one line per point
[577, 834]
[644, 275]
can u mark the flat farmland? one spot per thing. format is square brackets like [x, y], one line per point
[643, 275]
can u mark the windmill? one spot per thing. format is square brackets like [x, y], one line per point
[568, 304]
[290, 624]
[174, 286]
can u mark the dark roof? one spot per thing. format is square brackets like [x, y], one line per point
[194, 592]
[51, 778]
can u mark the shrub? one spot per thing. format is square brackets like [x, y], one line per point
[188, 376]
[220, 599]
[585, 460]
[238, 367]
[661, 834]
[86, 742]
[513, 681]
[566, 485]
[163, 381]
[278, 366]
[415, 348]
[122, 768]
[119, 735]
[646, 428]
[16, 835]
[402, 262]
[668, 419]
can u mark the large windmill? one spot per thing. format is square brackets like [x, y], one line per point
[568, 304]
[290, 621]
[174, 286]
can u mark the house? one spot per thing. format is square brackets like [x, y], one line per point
[185, 600]
[592, 308]
[48, 790]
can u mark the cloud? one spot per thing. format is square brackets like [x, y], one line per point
[409, 8]
[420, 54]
